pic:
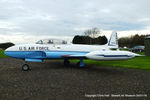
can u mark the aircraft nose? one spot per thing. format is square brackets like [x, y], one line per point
[8, 51]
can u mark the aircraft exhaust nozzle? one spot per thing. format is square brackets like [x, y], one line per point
[138, 55]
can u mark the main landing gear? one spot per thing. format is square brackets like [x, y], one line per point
[66, 62]
[25, 67]
[79, 64]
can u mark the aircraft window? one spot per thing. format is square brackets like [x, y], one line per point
[47, 42]
[59, 42]
[64, 42]
[39, 42]
[52, 41]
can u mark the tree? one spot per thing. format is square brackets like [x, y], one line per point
[90, 37]
[78, 40]
[132, 40]
[102, 40]
[87, 32]
[88, 40]
[6, 45]
[92, 32]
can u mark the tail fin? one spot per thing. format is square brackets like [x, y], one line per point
[113, 41]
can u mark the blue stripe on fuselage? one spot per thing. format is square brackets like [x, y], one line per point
[49, 54]
[114, 55]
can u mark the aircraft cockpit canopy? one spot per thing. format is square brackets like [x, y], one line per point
[51, 41]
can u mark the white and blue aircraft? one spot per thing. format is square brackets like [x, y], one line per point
[59, 49]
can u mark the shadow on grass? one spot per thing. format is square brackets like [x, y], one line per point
[58, 65]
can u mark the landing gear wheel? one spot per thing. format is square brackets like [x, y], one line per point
[78, 64]
[25, 67]
[66, 62]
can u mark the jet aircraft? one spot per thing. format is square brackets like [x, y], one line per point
[59, 49]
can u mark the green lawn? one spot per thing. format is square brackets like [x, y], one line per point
[138, 63]
[2, 55]
[142, 62]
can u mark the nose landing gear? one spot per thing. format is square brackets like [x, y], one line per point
[25, 67]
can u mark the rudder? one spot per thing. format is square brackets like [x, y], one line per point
[113, 41]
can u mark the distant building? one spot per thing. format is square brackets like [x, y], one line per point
[147, 46]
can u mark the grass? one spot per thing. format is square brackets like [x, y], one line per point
[141, 53]
[2, 55]
[137, 63]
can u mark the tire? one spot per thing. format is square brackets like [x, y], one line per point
[25, 67]
[66, 63]
[78, 64]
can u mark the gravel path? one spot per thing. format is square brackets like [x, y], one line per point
[51, 80]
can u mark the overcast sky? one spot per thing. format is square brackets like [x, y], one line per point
[24, 21]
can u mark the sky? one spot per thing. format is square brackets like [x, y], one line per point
[27, 21]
